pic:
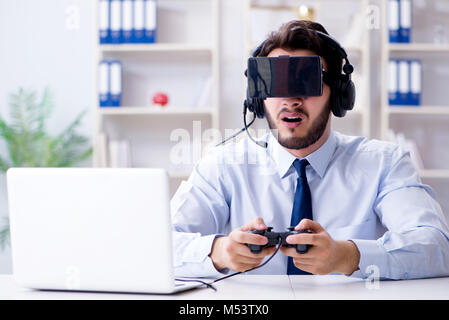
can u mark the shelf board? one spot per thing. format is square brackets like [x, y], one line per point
[434, 173]
[354, 47]
[357, 111]
[439, 110]
[153, 110]
[349, 48]
[420, 47]
[178, 174]
[156, 47]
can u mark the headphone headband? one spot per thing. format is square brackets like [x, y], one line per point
[331, 42]
[342, 88]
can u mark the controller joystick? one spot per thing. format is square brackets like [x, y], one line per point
[278, 237]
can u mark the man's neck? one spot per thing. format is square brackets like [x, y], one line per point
[302, 153]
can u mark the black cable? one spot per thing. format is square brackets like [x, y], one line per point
[260, 266]
[210, 284]
[262, 144]
[238, 132]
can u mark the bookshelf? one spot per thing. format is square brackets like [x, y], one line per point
[418, 47]
[425, 124]
[184, 57]
[157, 47]
[358, 120]
[130, 110]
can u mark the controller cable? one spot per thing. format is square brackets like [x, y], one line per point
[210, 284]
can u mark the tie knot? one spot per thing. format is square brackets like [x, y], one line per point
[300, 166]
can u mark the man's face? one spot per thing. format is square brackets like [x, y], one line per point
[300, 122]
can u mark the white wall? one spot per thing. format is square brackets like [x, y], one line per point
[43, 44]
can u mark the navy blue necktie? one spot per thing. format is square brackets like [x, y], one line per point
[302, 206]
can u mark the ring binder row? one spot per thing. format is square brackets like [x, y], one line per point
[110, 83]
[127, 21]
[399, 20]
[405, 82]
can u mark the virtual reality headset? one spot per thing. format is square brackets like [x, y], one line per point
[285, 76]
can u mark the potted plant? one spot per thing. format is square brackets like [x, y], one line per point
[28, 144]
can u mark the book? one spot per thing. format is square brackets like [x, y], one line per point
[101, 149]
[393, 80]
[127, 21]
[150, 21]
[103, 21]
[415, 82]
[119, 154]
[405, 20]
[393, 21]
[115, 74]
[115, 18]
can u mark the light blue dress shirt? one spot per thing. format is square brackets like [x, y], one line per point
[367, 191]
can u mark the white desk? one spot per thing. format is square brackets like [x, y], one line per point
[271, 287]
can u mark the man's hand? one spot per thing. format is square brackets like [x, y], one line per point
[232, 251]
[325, 255]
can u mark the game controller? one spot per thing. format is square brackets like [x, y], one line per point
[278, 237]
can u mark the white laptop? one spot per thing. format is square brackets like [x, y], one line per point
[92, 229]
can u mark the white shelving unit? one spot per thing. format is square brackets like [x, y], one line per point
[358, 120]
[147, 126]
[157, 47]
[424, 51]
[129, 110]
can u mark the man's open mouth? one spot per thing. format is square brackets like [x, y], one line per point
[292, 119]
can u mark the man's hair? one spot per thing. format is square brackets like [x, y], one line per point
[300, 34]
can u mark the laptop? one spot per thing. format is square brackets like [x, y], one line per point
[92, 229]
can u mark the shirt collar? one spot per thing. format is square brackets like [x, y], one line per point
[319, 160]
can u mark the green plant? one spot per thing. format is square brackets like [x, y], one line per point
[29, 144]
[4, 234]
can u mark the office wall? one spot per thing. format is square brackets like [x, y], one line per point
[47, 43]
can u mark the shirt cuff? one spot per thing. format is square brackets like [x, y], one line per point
[373, 259]
[196, 261]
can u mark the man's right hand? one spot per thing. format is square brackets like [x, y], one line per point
[232, 251]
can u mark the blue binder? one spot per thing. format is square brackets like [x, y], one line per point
[104, 22]
[404, 82]
[116, 21]
[104, 84]
[150, 21]
[138, 35]
[393, 82]
[127, 20]
[393, 21]
[415, 82]
[115, 79]
[405, 20]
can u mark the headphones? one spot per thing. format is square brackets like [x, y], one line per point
[342, 88]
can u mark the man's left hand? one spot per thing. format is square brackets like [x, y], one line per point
[325, 255]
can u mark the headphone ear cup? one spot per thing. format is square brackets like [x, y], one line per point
[335, 99]
[348, 95]
[256, 106]
[342, 96]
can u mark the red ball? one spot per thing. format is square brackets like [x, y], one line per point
[160, 99]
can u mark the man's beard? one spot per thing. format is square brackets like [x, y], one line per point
[314, 133]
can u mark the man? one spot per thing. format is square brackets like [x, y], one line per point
[368, 206]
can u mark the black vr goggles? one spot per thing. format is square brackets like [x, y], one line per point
[285, 76]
